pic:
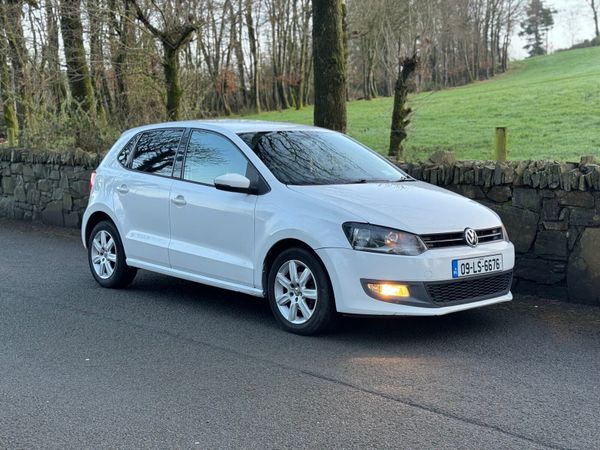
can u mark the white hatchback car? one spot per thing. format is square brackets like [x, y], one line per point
[309, 218]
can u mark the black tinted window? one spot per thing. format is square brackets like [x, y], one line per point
[126, 151]
[155, 151]
[210, 155]
[319, 157]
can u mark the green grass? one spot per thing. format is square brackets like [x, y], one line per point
[550, 104]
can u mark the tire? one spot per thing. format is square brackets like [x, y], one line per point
[107, 262]
[305, 309]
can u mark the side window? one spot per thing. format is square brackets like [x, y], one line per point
[126, 151]
[210, 155]
[155, 151]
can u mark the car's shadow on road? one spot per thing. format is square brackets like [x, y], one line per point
[253, 312]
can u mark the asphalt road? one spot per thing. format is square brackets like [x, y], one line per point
[172, 364]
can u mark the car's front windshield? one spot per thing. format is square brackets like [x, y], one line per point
[309, 157]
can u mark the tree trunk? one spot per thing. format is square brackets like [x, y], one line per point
[486, 27]
[595, 12]
[345, 42]
[401, 113]
[173, 38]
[78, 72]
[19, 59]
[98, 71]
[283, 58]
[303, 57]
[236, 41]
[365, 91]
[252, 42]
[371, 89]
[278, 52]
[57, 86]
[329, 65]
[9, 111]
[174, 91]
[308, 78]
[121, 41]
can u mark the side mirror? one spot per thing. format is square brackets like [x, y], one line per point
[233, 182]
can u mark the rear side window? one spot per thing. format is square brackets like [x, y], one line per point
[126, 151]
[155, 151]
[210, 155]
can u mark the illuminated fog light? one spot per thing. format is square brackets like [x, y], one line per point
[389, 290]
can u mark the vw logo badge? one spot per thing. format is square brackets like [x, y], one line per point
[471, 237]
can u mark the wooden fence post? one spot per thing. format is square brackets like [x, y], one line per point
[501, 144]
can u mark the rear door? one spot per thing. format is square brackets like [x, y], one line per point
[141, 197]
[212, 231]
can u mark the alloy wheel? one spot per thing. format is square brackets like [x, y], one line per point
[296, 292]
[104, 254]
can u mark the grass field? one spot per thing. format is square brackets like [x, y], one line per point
[550, 104]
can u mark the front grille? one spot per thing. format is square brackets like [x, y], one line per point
[470, 289]
[491, 234]
[440, 240]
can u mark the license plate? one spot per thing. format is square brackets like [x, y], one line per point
[476, 266]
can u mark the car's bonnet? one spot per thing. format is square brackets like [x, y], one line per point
[411, 206]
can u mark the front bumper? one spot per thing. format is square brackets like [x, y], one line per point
[347, 267]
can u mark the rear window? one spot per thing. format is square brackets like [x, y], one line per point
[155, 151]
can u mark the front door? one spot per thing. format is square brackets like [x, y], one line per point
[212, 231]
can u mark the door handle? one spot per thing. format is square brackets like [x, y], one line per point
[123, 189]
[179, 200]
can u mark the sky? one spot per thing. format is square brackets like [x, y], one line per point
[572, 23]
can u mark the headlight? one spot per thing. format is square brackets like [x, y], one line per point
[371, 238]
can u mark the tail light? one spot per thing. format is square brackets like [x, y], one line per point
[92, 180]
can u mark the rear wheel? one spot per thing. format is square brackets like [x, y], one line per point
[106, 257]
[300, 293]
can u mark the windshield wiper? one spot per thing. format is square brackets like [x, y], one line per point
[365, 181]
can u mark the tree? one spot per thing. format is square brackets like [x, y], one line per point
[19, 59]
[78, 72]
[329, 65]
[236, 18]
[173, 37]
[594, 7]
[539, 19]
[51, 59]
[121, 41]
[278, 13]
[401, 112]
[513, 10]
[129, 61]
[6, 92]
[97, 18]
[254, 58]
[301, 69]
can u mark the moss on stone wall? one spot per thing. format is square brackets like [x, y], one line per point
[75, 157]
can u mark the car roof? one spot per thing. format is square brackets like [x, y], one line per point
[231, 125]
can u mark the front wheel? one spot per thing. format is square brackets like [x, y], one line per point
[106, 257]
[300, 293]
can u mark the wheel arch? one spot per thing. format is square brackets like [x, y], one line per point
[94, 219]
[280, 246]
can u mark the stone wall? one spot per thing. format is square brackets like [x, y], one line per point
[551, 210]
[50, 187]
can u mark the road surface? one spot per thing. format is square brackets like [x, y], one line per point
[172, 364]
